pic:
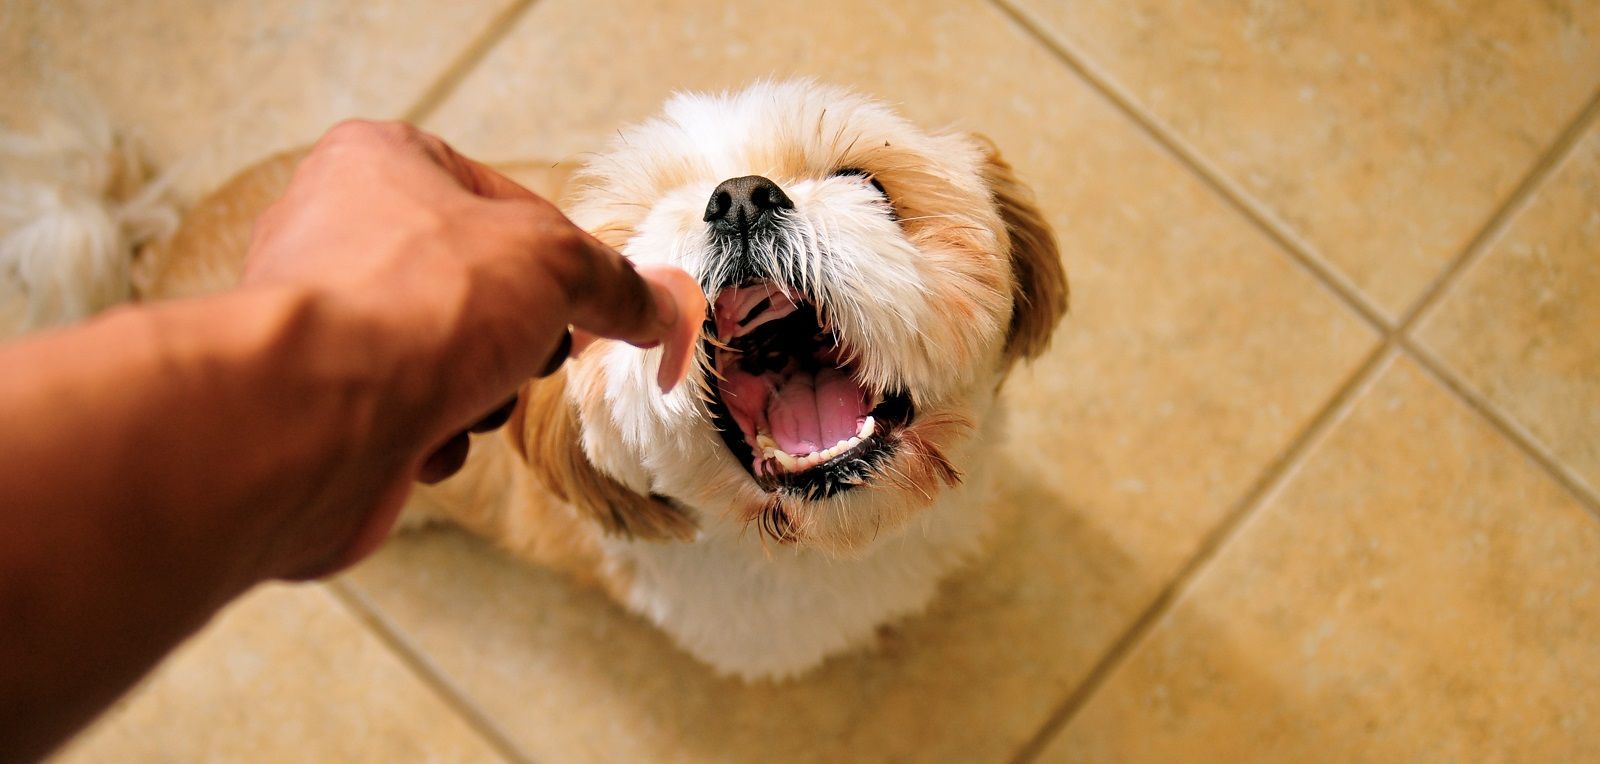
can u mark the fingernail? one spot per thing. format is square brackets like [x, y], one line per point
[666, 306]
[674, 363]
[681, 306]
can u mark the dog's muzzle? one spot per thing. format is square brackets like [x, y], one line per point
[743, 219]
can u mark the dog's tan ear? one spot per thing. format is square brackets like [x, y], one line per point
[547, 434]
[1038, 279]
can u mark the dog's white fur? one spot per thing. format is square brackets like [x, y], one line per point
[928, 287]
[74, 203]
[924, 300]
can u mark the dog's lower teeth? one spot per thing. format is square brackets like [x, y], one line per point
[866, 429]
[788, 462]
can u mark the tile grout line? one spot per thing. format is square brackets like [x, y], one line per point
[1507, 426]
[1520, 198]
[1506, 212]
[1299, 251]
[467, 61]
[1283, 465]
[1396, 340]
[1276, 474]
[424, 669]
[368, 614]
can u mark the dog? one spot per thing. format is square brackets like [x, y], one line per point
[871, 285]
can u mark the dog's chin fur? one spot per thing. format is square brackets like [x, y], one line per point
[928, 268]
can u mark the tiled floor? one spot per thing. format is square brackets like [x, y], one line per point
[1312, 473]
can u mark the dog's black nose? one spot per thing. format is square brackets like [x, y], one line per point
[740, 204]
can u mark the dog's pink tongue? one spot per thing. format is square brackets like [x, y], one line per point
[736, 309]
[810, 414]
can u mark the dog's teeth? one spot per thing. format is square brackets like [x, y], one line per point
[867, 427]
[786, 462]
[774, 459]
[834, 450]
[843, 446]
[789, 463]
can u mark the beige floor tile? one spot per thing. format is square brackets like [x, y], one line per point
[213, 86]
[286, 674]
[1523, 324]
[1383, 132]
[1419, 591]
[1195, 353]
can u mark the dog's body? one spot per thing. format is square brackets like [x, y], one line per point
[871, 284]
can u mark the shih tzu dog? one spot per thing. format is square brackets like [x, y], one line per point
[871, 285]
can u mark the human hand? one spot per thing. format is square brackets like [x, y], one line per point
[449, 285]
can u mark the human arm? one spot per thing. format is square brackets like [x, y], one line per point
[160, 460]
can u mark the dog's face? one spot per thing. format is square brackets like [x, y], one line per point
[870, 283]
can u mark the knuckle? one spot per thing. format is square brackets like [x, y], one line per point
[366, 130]
[349, 129]
[539, 218]
[267, 221]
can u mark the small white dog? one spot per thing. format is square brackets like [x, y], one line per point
[871, 285]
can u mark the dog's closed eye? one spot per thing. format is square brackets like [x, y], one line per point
[857, 172]
[860, 174]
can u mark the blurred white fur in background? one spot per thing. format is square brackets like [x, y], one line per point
[77, 200]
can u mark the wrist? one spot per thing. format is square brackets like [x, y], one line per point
[305, 437]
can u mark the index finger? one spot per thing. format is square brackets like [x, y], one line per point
[643, 306]
[609, 297]
[606, 295]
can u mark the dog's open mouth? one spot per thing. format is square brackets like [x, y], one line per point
[786, 399]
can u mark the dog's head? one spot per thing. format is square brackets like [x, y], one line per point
[870, 285]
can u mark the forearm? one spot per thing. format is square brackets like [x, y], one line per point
[150, 464]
